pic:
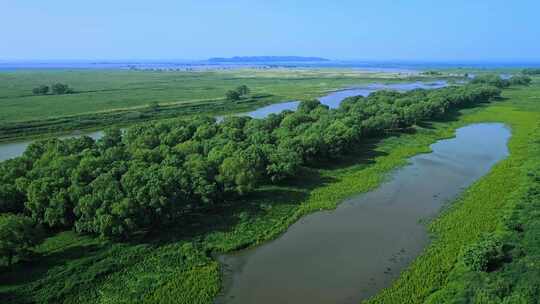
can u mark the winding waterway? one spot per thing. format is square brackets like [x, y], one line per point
[346, 255]
[333, 99]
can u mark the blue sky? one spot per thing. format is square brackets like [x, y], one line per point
[458, 30]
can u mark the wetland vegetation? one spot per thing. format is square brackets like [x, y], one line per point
[270, 152]
[139, 216]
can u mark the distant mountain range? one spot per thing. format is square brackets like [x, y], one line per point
[268, 59]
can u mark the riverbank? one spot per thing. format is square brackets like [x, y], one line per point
[177, 265]
[482, 207]
[350, 253]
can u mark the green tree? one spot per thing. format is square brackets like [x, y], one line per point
[531, 71]
[491, 79]
[111, 138]
[11, 198]
[237, 175]
[520, 80]
[41, 90]
[61, 88]
[283, 162]
[95, 210]
[17, 236]
[308, 105]
[232, 95]
[481, 255]
[243, 90]
[203, 186]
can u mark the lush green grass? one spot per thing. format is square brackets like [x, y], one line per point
[105, 97]
[511, 275]
[99, 91]
[176, 266]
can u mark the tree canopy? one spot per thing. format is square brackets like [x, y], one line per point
[531, 71]
[56, 89]
[498, 81]
[17, 236]
[157, 173]
[232, 95]
[243, 90]
[238, 93]
[41, 90]
[61, 88]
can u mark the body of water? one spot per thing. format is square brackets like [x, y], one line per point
[346, 255]
[10, 150]
[333, 99]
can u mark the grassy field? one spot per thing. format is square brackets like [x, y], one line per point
[106, 97]
[100, 91]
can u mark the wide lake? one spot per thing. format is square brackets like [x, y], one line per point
[348, 254]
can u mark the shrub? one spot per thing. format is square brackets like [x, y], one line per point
[61, 88]
[17, 236]
[232, 95]
[41, 90]
[483, 254]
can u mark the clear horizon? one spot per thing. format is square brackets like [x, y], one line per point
[417, 31]
[354, 60]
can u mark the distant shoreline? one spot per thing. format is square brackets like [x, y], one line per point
[263, 59]
[256, 63]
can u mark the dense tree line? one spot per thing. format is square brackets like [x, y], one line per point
[432, 73]
[531, 71]
[157, 173]
[18, 235]
[55, 89]
[497, 81]
[41, 90]
[238, 93]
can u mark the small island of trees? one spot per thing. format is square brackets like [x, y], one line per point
[531, 71]
[55, 89]
[497, 81]
[238, 93]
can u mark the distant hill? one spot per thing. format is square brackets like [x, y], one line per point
[267, 59]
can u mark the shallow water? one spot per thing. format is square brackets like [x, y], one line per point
[346, 255]
[13, 149]
[333, 99]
